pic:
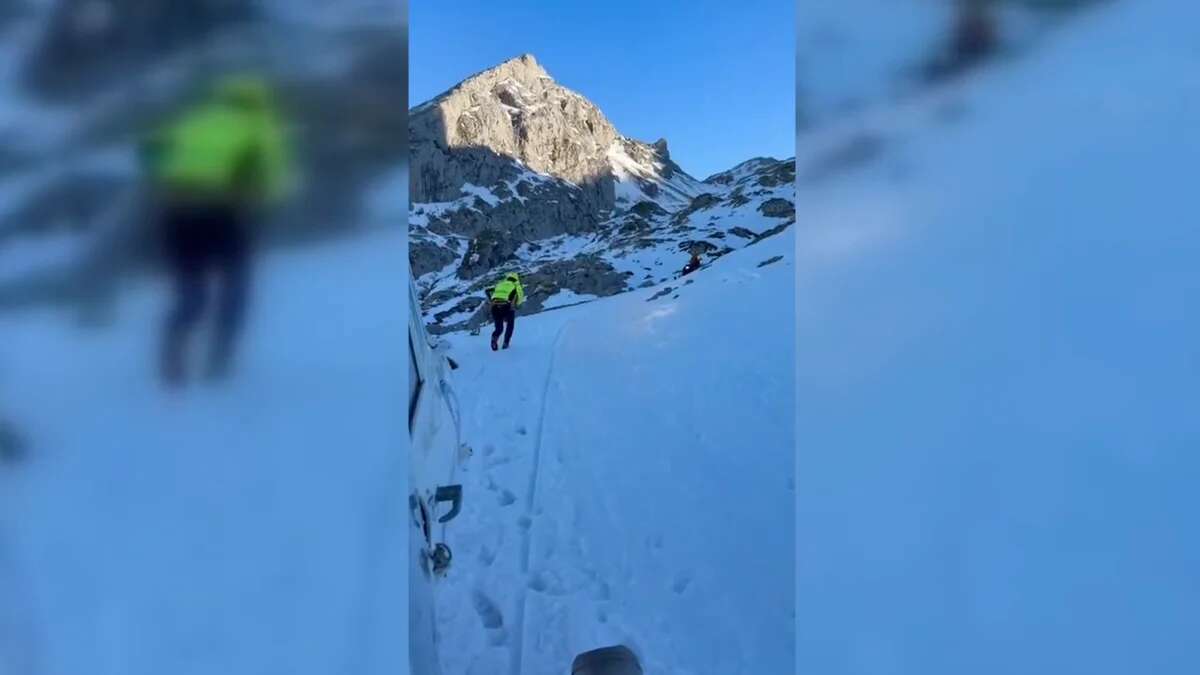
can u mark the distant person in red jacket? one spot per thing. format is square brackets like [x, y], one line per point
[693, 265]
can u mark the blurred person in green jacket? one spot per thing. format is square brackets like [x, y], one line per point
[214, 168]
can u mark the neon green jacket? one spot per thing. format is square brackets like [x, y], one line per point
[509, 290]
[232, 146]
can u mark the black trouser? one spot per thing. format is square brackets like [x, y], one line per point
[505, 317]
[199, 241]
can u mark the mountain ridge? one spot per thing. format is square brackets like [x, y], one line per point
[512, 170]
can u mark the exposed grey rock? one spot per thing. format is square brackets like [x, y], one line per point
[743, 233]
[648, 155]
[704, 201]
[699, 202]
[698, 247]
[749, 167]
[486, 252]
[647, 209]
[780, 174]
[770, 261]
[661, 294]
[773, 231]
[512, 111]
[438, 298]
[584, 275]
[466, 304]
[778, 208]
[635, 226]
[513, 129]
[426, 256]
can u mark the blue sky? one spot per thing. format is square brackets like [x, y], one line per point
[715, 78]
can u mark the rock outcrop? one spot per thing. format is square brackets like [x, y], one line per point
[473, 133]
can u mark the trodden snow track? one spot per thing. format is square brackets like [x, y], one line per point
[530, 500]
[616, 477]
[254, 526]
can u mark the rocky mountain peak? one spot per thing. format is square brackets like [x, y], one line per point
[513, 171]
[523, 69]
[517, 111]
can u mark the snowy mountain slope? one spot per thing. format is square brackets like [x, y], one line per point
[637, 249]
[259, 527]
[512, 171]
[857, 55]
[998, 370]
[632, 480]
[644, 173]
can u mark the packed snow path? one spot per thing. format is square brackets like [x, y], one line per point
[631, 481]
[255, 527]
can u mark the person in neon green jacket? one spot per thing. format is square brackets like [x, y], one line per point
[506, 297]
[213, 168]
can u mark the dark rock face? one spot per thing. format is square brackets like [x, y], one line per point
[472, 133]
[544, 152]
[648, 209]
[464, 305]
[486, 252]
[661, 294]
[699, 202]
[584, 275]
[700, 247]
[778, 208]
[773, 231]
[425, 257]
[548, 210]
[781, 174]
[635, 226]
